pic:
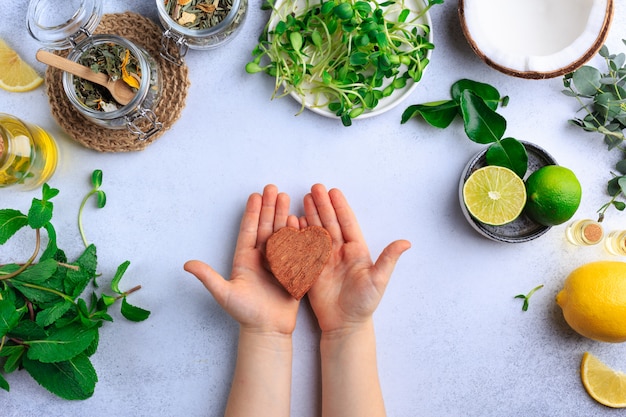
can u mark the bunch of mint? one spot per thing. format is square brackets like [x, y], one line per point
[46, 327]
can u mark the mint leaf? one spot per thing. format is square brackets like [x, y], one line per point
[40, 213]
[74, 379]
[14, 356]
[133, 313]
[76, 281]
[28, 330]
[48, 192]
[38, 273]
[52, 248]
[51, 314]
[61, 344]
[91, 349]
[3, 383]
[10, 222]
[118, 276]
[9, 316]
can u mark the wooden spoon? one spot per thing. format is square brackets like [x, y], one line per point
[120, 91]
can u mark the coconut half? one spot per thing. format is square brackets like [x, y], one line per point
[535, 38]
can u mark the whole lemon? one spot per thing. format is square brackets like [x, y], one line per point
[593, 300]
[553, 195]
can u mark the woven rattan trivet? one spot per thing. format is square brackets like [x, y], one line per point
[145, 33]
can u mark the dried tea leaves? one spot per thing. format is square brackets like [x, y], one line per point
[198, 14]
[118, 63]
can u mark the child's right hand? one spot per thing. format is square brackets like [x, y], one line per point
[350, 287]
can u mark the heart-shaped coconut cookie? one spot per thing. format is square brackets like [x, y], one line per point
[297, 257]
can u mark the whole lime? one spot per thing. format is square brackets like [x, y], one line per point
[553, 195]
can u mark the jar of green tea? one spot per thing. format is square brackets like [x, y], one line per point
[69, 24]
[28, 153]
[198, 24]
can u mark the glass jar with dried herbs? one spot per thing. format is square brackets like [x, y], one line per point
[119, 59]
[198, 24]
[69, 25]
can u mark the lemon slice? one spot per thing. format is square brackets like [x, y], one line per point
[494, 195]
[605, 385]
[15, 74]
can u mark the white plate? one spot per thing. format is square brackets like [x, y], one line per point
[385, 103]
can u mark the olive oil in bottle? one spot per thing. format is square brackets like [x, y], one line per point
[28, 154]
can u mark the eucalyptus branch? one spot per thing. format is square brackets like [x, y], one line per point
[601, 95]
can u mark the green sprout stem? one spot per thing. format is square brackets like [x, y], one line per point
[526, 297]
[80, 217]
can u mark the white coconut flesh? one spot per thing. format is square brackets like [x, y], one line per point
[536, 38]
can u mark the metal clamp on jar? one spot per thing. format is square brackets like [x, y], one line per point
[198, 25]
[69, 25]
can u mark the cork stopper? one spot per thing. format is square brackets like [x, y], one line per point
[592, 232]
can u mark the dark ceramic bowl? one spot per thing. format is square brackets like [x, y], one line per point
[521, 229]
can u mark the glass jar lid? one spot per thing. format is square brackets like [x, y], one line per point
[60, 24]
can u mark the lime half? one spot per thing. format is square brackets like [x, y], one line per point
[494, 195]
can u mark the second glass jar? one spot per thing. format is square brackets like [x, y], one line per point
[178, 38]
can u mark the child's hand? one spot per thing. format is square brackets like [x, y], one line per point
[351, 285]
[252, 296]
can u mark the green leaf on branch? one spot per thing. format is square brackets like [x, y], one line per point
[482, 124]
[476, 103]
[601, 97]
[438, 113]
[509, 153]
[489, 94]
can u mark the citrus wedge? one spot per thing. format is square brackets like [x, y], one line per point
[494, 195]
[15, 74]
[605, 385]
